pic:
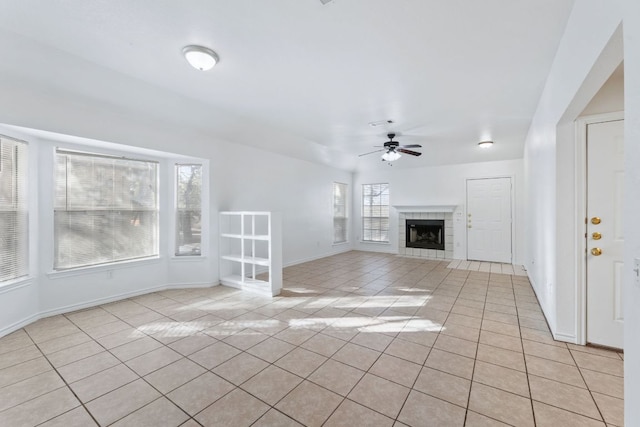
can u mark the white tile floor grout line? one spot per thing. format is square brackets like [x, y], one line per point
[371, 337]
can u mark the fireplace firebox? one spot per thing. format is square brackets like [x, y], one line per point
[425, 233]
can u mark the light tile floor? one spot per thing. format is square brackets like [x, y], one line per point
[357, 339]
[488, 267]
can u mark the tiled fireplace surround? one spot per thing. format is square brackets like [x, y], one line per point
[426, 253]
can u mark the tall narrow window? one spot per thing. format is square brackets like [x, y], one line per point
[188, 209]
[340, 217]
[375, 212]
[106, 209]
[14, 236]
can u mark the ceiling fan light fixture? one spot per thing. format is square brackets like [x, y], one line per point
[390, 156]
[200, 57]
[485, 144]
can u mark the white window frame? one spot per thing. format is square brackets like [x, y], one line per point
[381, 230]
[177, 209]
[19, 204]
[156, 210]
[337, 218]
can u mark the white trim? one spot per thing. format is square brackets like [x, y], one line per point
[347, 219]
[204, 205]
[19, 324]
[427, 208]
[14, 284]
[580, 147]
[118, 297]
[99, 301]
[559, 336]
[104, 267]
[542, 306]
[316, 257]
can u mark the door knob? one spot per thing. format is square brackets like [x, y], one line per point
[596, 236]
[596, 251]
[595, 220]
[469, 225]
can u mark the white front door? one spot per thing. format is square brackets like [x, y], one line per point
[605, 178]
[489, 219]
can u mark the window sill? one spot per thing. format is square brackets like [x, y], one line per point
[11, 285]
[102, 268]
[371, 242]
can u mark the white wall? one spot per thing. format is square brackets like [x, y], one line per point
[251, 179]
[240, 177]
[441, 185]
[610, 97]
[46, 292]
[632, 207]
[588, 54]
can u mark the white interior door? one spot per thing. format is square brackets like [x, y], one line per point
[489, 219]
[605, 178]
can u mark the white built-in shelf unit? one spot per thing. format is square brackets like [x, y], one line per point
[251, 251]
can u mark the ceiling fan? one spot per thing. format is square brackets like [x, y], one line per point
[392, 149]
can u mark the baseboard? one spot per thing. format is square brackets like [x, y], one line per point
[543, 307]
[99, 301]
[316, 257]
[18, 325]
[570, 338]
[191, 285]
[118, 297]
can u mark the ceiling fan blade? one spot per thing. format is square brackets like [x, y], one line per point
[410, 146]
[371, 152]
[411, 153]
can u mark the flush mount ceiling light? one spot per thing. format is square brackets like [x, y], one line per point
[380, 123]
[485, 144]
[200, 57]
[390, 156]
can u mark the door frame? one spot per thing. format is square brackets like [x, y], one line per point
[581, 125]
[513, 211]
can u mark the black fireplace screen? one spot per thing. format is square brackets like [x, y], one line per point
[425, 233]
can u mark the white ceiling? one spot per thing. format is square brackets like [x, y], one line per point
[300, 77]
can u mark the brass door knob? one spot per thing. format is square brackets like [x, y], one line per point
[596, 251]
[596, 236]
[595, 220]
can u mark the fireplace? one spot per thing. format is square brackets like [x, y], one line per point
[425, 234]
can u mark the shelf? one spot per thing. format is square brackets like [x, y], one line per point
[245, 213]
[246, 236]
[247, 259]
[249, 284]
[237, 280]
[251, 242]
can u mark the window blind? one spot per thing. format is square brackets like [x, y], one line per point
[340, 217]
[188, 209]
[375, 212]
[106, 209]
[14, 235]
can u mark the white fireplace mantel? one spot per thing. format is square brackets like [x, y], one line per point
[430, 208]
